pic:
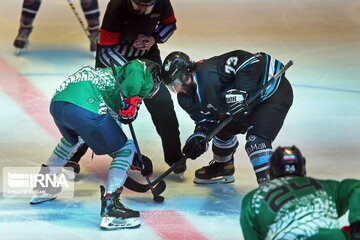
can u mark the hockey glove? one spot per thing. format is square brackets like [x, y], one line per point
[237, 105]
[205, 127]
[146, 167]
[129, 113]
[195, 146]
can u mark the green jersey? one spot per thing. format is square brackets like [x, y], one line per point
[88, 87]
[294, 208]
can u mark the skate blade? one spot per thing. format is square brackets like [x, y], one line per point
[18, 51]
[113, 223]
[215, 180]
[40, 198]
[181, 176]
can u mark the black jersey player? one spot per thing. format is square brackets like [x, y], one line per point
[208, 90]
[132, 29]
[30, 9]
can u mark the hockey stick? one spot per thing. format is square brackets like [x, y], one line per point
[138, 186]
[72, 6]
[155, 191]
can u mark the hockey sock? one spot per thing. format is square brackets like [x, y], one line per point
[259, 151]
[119, 167]
[62, 153]
[91, 10]
[259, 160]
[29, 11]
[224, 150]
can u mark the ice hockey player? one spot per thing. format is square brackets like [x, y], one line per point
[86, 108]
[294, 206]
[30, 9]
[211, 89]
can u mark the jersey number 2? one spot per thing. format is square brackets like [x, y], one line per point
[281, 195]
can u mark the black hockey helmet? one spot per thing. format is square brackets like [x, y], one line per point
[286, 161]
[144, 2]
[176, 68]
[155, 70]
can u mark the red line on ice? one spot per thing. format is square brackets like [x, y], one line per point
[172, 225]
[27, 96]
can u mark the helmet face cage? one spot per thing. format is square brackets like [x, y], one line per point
[180, 79]
[177, 68]
[287, 161]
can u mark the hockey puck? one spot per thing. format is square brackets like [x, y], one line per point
[159, 199]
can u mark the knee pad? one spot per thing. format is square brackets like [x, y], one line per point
[259, 151]
[224, 149]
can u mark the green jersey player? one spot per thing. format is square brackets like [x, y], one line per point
[293, 207]
[86, 108]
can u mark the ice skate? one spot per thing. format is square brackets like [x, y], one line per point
[114, 214]
[215, 172]
[22, 39]
[42, 197]
[44, 194]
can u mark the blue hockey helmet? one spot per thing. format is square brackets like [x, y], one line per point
[286, 161]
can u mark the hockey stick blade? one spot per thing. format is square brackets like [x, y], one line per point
[135, 186]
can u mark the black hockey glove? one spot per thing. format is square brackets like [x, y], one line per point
[237, 105]
[195, 146]
[355, 230]
[206, 126]
[146, 168]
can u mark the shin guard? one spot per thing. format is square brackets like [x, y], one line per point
[63, 153]
[119, 168]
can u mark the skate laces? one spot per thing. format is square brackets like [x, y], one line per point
[215, 164]
[212, 164]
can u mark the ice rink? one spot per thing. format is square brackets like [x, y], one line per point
[321, 37]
